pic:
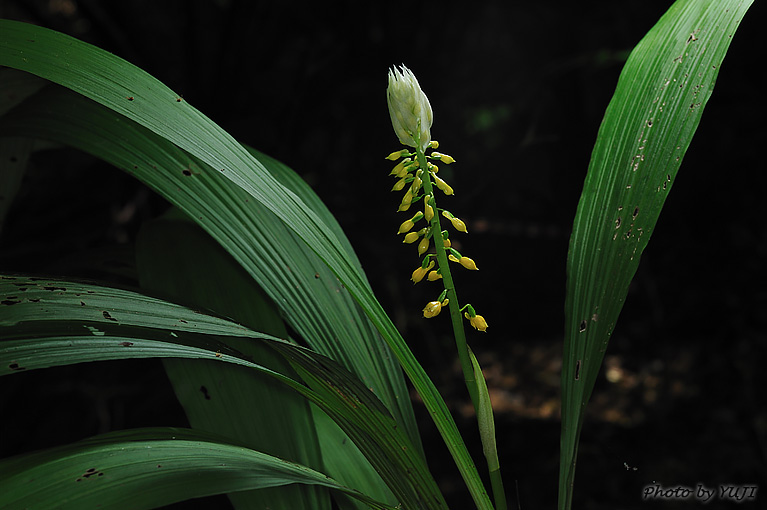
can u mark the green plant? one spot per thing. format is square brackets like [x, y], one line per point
[274, 256]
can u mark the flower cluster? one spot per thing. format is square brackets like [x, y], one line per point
[416, 174]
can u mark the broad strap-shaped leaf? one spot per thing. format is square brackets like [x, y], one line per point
[644, 135]
[46, 323]
[136, 95]
[147, 468]
[177, 258]
[308, 294]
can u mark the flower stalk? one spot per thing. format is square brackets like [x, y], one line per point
[411, 117]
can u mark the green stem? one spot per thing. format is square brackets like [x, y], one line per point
[464, 355]
[447, 278]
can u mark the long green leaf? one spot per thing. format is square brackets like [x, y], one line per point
[147, 468]
[131, 92]
[646, 131]
[48, 323]
[306, 291]
[179, 259]
[310, 297]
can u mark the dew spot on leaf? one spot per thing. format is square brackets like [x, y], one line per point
[582, 327]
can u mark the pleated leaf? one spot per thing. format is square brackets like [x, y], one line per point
[644, 135]
[46, 323]
[146, 468]
[134, 94]
[177, 259]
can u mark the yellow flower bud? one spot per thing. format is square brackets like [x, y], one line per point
[411, 237]
[434, 168]
[442, 185]
[406, 226]
[394, 156]
[446, 243]
[434, 144]
[428, 210]
[443, 157]
[409, 108]
[459, 225]
[452, 258]
[400, 184]
[406, 200]
[433, 276]
[406, 170]
[477, 322]
[468, 263]
[416, 185]
[423, 246]
[419, 273]
[432, 309]
[399, 167]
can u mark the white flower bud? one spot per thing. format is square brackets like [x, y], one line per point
[409, 108]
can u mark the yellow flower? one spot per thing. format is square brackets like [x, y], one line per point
[406, 200]
[419, 273]
[409, 108]
[399, 170]
[409, 224]
[442, 185]
[400, 184]
[394, 156]
[433, 308]
[468, 263]
[411, 237]
[416, 185]
[406, 226]
[423, 246]
[433, 276]
[428, 210]
[459, 225]
[443, 157]
[477, 322]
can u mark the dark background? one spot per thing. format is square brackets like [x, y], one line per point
[518, 91]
